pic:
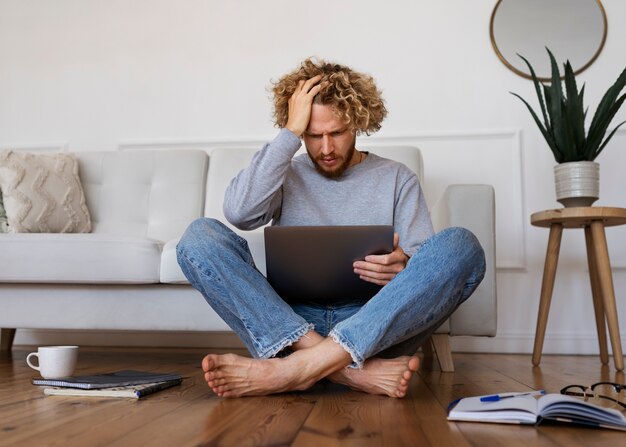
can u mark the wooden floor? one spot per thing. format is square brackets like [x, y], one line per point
[328, 415]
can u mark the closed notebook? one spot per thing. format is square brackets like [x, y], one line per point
[528, 410]
[108, 380]
[131, 391]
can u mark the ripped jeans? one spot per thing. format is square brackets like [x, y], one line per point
[440, 276]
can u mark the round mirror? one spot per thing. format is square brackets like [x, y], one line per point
[573, 30]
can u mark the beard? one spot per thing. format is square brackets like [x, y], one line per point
[337, 171]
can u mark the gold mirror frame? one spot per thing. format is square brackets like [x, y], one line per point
[541, 78]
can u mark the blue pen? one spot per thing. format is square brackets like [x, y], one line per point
[497, 397]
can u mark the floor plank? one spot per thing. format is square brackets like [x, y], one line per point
[326, 415]
[342, 417]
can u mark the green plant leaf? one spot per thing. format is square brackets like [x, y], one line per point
[596, 133]
[546, 93]
[567, 134]
[574, 111]
[558, 152]
[538, 90]
[606, 140]
[580, 96]
[546, 135]
[555, 110]
[604, 114]
[564, 114]
[608, 100]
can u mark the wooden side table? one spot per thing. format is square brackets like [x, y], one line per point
[593, 220]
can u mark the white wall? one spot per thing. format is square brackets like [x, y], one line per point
[99, 75]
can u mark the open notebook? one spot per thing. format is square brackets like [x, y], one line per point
[528, 410]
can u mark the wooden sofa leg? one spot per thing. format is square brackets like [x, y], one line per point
[428, 361]
[441, 345]
[6, 340]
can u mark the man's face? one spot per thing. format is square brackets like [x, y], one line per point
[329, 141]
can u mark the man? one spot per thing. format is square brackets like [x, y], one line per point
[368, 346]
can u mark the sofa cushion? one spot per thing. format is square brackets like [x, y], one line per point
[170, 270]
[42, 193]
[79, 258]
[172, 274]
[4, 223]
[144, 193]
[225, 165]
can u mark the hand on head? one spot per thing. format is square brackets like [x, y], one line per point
[380, 269]
[300, 104]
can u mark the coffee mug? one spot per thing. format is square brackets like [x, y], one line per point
[54, 362]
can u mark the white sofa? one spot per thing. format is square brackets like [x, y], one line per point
[124, 276]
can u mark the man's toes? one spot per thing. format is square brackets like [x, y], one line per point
[214, 374]
[414, 364]
[210, 377]
[209, 362]
[217, 389]
[218, 382]
[221, 388]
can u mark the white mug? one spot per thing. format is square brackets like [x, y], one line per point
[54, 362]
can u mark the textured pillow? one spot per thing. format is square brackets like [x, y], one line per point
[42, 193]
[4, 224]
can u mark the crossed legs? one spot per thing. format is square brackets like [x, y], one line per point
[449, 266]
[313, 359]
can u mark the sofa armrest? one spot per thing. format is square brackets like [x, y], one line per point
[473, 207]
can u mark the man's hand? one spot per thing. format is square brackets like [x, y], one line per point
[300, 104]
[380, 269]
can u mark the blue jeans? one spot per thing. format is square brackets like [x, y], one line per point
[442, 274]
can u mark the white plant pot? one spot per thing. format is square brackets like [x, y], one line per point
[577, 183]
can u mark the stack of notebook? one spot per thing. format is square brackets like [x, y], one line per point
[127, 383]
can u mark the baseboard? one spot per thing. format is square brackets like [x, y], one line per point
[188, 339]
[566, 344]
[511, 343]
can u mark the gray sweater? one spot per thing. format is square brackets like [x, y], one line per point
[288, 190]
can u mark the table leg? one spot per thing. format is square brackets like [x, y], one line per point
[596, 293]
[547, 286]
[608, 293]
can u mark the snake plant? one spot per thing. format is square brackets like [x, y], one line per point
[564, 115]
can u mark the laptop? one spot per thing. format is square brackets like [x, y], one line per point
[314, 263]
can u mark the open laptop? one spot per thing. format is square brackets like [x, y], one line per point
[314, 263]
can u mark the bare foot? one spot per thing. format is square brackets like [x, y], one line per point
[231, 375]
[380, 376]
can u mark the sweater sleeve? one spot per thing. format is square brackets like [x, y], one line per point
[411, 216]
[254, 196]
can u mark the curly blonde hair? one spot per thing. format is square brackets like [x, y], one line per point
[354, 96]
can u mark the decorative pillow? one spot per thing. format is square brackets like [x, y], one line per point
[42, 193]
[4, 225]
